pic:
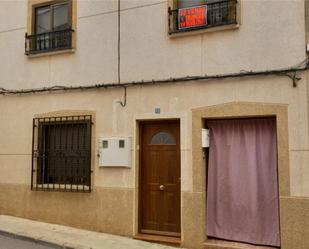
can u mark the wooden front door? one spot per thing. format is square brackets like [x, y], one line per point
[160, 178]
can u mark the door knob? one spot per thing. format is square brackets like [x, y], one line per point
[161, 187]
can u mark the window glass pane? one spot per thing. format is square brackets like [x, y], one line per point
[163, 138]
[43, 20]
[61, 17]
[189, 3]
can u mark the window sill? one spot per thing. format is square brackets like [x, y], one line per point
[61, 188]
[42, 54]
[202, 31]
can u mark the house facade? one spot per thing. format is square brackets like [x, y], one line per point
[104, 105]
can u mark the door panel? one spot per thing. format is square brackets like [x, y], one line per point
[160, 178]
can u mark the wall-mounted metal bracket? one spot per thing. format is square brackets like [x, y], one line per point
[293, 76]
[124, 102]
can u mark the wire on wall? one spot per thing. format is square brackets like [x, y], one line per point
[124, 102]
[292, 73]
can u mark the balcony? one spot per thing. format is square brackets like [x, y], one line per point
[48, 42]
[216, 14]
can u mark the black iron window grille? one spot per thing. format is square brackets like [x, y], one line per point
[61, 154]
[48, 42]
[219, 13]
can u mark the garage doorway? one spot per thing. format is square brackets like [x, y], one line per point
[242, 181]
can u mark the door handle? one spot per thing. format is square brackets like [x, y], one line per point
[161, 187]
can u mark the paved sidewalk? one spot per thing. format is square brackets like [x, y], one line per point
[67, 237]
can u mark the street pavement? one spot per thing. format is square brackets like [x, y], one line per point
[65, 237]
[7, 242]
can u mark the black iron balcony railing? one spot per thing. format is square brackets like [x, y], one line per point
[48, 42]
[219, 13]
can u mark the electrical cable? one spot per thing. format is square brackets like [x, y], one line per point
[290, 72]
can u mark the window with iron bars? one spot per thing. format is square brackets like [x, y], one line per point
[201, 14]
[61, 154]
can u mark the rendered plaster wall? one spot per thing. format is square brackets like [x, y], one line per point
[174, 100]
[261, 42]
[115, 190]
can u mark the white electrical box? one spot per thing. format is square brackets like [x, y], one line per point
[205, 138]
[115, 152]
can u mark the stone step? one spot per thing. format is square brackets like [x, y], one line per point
[221, 244]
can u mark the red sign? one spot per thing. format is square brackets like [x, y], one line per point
[192, 17]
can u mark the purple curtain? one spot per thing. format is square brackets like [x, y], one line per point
[242, 189]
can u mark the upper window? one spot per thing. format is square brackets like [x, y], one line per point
[189, 15]
[62, 154]
[190, 3]
[51, 28]
[52, 18]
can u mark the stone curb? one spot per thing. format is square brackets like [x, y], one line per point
[40, 241]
